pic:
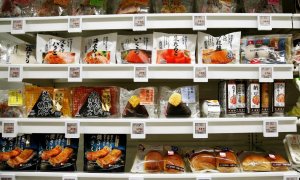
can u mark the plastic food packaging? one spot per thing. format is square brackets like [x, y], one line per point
[228, 98]
[240, 98]
[292, 146]
[26, 7]
[57, 153]
[266, 49]
[265, 99]
[97, 102]
[226, 161]
[104, 153]
[12, 103]
[211, 109]
[135, 49]
[130, 6]
[9, 9]
[139, 103]
[47, 8]
[20, 153]
[173, 48]
[296, 50]
[224, 49]
[216, 6]
[253, 98]
[99, 49]
[278, 98]
[88, 7]
[178, 6]
[182, 102]
[203, 160]
[56, 50]
[263, 6]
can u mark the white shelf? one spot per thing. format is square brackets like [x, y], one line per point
[296, 21]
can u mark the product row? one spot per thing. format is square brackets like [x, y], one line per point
[156, 48]
[107, 153]
[236, 98]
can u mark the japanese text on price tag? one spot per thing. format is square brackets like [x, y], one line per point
[200, 74]
[139, 23]
[15, 73]
[140, 73]
[18, 26]
[74, 73]
[200, 129]
[264, 23]
[266, 74]
[199, 23]
[9, 128]
[7, 177]
[138, 130]
[75, 24]
[72, 129]
[270, 128]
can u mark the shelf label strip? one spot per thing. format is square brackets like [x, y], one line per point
[9, 128]
[7, 177]
[74, 24]
[138, 130]
[270, 128]
[15, 73]
[264, 23]
[266, 74]
[199, 22]
[18, 26]
[141, 73]
[139, 23]
[200, 129]
[74, 73]
[200, 73]
[72, 129]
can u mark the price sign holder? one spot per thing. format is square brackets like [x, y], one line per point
[9, 128]
[266, 74]
[7, 177]
[200, 73]
[204, 177]
[72, 129]
[74, 24]
[290, 177]
[139, 23]
[199, 22]
[138, 130]
[15, 73]
[69, 177]
[141, 73]
[74, 73]
[135, 177]
[18, 26]
[200, 129]
[270, 128]
[264, 22]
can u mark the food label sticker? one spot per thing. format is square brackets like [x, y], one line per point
[140, 73]
[136, 177]
[69, 177]
[15, 98]
[203, 177]
[72, 129]
[200, 74]
[75, 73]
[9, 128]
[270, 128]
[18, 26]
[264, 23]
[199, 22]
[266, 74]
[139, 23]
[7, 177]
[291, 177]
[188, 94]
[75, 24]
[15, 73]
[200, 129]
[138, 130]
[147, 96]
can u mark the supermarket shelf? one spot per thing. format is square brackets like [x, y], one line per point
[296, 21]
[154, 126]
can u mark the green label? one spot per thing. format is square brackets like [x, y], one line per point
[97, 3]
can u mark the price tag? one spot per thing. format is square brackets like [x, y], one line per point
[264, 23]
[140, 73]
[270, 128]
[9, 128]
[18, 26]
[199, 23]
[200, 74]
[203, 177]
[7, 177]
[266, 74]
[138, 130]
[200, 129]
[136, 177]
[290, 177]
[139, 23]
[69, 177]
[72, 129]
[15, 73]
[75, 73]
[75, 24]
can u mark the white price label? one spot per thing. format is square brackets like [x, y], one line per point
[9, 128]
[72, 129]
[200, 74]
[75, 24]
[200, 129]
[7, 177]
[18, 26]
[203, 177]
[291, 177]
[266, 74]
[138, 130]
[264, 23]
[15, 73]
[270, 128]
[136, 177]
[69, 177]
[75, 73]
[140, 73]
[139, 23]
[199, 22]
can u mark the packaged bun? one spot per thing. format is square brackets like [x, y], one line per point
[203, 161]
[154, 161]
[227, 162]
[255, 162]
[173, 163]
[278, 163]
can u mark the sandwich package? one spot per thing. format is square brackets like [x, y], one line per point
[134, 49]
[216, 6]
[266, 49]
[158, 159]
[95, 102]
[174, 48]
[224, 49]
[139, 103]
[178, 6]
[99, 49]
[262, 6]
[292, 146]
[57, 50]
[228, 98]
[12, 103]
[130, 6]
[19, 153]
[57, 153]
[182, 102]
[47, 102]
[88, 7]
[104, 153]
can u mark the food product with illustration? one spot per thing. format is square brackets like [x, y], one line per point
[179, 6]
[130, 6]
[241, 98]
[262, 6]
[278, 99]
[228, 98]
[253, 98]
[265, 99]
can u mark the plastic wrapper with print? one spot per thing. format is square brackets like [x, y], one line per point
[9, 9]
[88, 7]
[216, 6]
[47, 8]
[171, 6]
[130, 6]
[278, 99]
[296, 50]
[263, 6]
[228, 98]
[12, 103]
[292, 146]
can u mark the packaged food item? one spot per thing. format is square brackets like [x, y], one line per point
[211, 109]
[64, 6]
[241, 98]
[278, 163]
[130, 6]
[279, 98]
[57, 153]
[253, 98]
[135, 49]
[216, 6]
[95, 102]
[12, 103]
[20, 153]
[292, 146]
[26, 7]
[180, 102]
[178, 6]
[139, 103]
[174, 163]
[104, 152]
[203, 160]
[173, 48]
[263, 6]
[9, 9]
[265, 99]
[224, 49]
[266, 49]
[226, 161]
[47, 8]
[88, 7]
[227, 98]
[99, 49]
[296, 49]
[56, 50]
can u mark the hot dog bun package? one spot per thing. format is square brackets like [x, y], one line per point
[104, 152]
[57, 153]
[174, 48]
[57, 50]
[134, 49]
[223, 49]
[19, 153]
[99, 49]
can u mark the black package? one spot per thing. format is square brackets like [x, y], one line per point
[57, 153]
[20, 153]
[104, 152]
